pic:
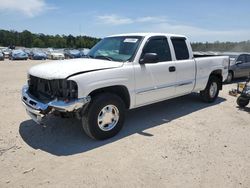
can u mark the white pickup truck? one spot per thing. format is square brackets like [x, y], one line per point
[121, 72]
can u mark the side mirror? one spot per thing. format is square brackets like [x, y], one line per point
[238, 62]
[149, 58]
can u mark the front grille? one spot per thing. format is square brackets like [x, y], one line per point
[47, 90]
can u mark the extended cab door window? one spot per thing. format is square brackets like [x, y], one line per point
[159, 46]
[180, 48]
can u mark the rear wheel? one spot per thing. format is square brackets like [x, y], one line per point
[242, 102]
[104, 117]
[210, 93]
[230, 77]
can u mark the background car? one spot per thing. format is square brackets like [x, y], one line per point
[28, 52]
[69, 54]
[1, 56]
[84, 52]
[239, 65]
[6, 52]
[38, 55]
[18, 55]
[56, 54]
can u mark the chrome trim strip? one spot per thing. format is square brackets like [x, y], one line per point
[164, 87]
[184, 83]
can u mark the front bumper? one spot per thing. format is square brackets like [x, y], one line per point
[38, 110]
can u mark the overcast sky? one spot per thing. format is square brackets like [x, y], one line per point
[221, 20]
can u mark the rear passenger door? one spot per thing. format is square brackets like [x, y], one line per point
[185, 66]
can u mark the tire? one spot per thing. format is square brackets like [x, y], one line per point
[211, 92]
[242, 102]
[114, 108]
[230, 77]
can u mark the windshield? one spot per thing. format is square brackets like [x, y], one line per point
[116, 48]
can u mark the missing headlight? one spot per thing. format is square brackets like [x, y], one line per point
[48, 90]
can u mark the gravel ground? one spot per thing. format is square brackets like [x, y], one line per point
[177, 143]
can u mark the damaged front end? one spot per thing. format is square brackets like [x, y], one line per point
[42, 97]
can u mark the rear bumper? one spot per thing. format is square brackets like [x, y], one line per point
[39, 57]
[38, 110]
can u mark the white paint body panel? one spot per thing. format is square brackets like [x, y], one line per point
[146, 84]
[63, 69]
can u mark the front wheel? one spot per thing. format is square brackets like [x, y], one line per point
[242, 102]
[211, 92]
[104, 117]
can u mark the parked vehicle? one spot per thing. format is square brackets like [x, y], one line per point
[28, 52]
[239, 65]
[1, 56]
[38, 55]
[56, 55]
[18, 55]
[71, 54]
[243, 99]
[84, 52]
[6, 52]
[121, 72]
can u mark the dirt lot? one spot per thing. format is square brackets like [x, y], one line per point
[177, 143]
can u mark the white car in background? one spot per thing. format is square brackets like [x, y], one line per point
[6, 52]
[56, 55]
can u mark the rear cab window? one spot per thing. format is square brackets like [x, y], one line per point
[180, 48]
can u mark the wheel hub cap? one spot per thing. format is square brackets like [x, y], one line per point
[108, 117]
[213, 89]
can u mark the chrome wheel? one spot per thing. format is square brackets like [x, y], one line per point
[108, 117]
[213, 89]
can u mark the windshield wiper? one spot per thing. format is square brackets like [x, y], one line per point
[89, 56]
[104, 57]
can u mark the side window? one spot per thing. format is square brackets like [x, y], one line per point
[160, 47]
[242, 58]
[180, 48]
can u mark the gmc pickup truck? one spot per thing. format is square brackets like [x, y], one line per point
[121, 72]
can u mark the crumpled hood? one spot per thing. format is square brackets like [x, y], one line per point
[65, 68]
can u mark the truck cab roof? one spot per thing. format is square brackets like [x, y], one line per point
[148, 35]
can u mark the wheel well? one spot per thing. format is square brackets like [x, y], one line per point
[119, 90]
[231, 72]
[218, 74]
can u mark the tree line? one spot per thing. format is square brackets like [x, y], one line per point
[243, 46]
[28, 39]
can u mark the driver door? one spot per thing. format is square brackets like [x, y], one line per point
[155, 81]
[240, 66]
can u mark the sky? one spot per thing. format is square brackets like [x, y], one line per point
[201, 21]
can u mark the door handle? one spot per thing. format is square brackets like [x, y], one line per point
[172, 69]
